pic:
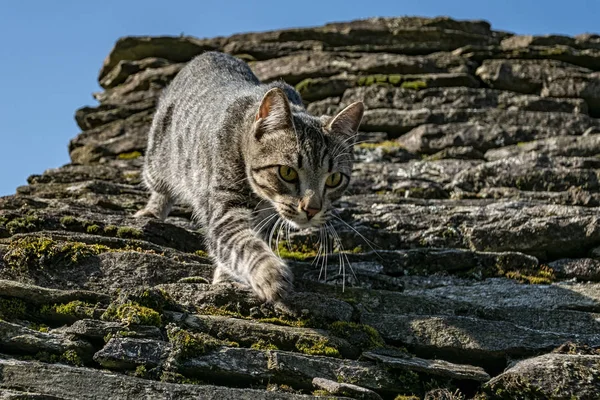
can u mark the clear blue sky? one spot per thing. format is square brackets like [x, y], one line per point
[52, 50]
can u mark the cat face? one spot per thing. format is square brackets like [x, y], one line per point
[299, 163]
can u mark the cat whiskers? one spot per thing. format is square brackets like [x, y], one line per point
[367, 241]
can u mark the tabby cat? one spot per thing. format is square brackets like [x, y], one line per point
[220, 138]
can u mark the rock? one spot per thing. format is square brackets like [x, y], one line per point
[128, 353]
[125, 68]
[550, 375]
[295, 68]
[69, 382]
[17, 339]
[175, 49]
[584, 86]
[432, 367]
[581, 146]
[345, 389]
[524, 76]
[585, 269]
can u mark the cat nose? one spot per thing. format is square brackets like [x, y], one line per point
[311, 212]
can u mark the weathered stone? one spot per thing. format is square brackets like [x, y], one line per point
[297, 67]
[584, 86]
[128, 353]
[345, 389]
[69, 382]
[585, 269]
[524, 76]
[17, 339]
[172, 48]
[570, 146]
[125, 68]
[550, 376]
[451, 98]
[431, 367]
[39, 296]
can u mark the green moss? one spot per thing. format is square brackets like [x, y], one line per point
[220, 311]
[92, 229]
[263, 345]
[24, 224]
[201, 253]
[321, 392]
[414, 85]
[554, 51]
[110, 230]
[295, 251]
[409, 397]
[12, 309]
[68, 220]
[543, 276]
[41, 252]
[156, 299]
[174, 377]
[319, 347]
[364, 336]
[140, 371]
[190, 344]
[39, 327]
[395, 80]
[129, 156]
[194, 279]
[132, 314]
[71, 357]
[126, 232]
[285, 322]
[74, 308]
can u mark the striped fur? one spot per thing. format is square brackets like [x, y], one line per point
[216, 142]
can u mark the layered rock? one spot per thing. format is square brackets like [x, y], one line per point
[468, 246]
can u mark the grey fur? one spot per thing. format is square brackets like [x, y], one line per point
[216, 141]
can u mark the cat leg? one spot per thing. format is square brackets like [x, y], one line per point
[158, 206]
[244, 256]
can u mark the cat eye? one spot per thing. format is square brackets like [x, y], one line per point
[334, 180]
[288, 174]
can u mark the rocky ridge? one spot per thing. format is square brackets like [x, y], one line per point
[472, 226]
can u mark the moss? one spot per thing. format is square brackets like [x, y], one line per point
[295, 251]
[92, 229]
[75, 308]
[554, 51]
[543, 276]
[384, 144]
[68, 220]
[156, 299]
[220, 311]
[301, 323]
[190, 344]
[126, 232]
[110, 230]
[41, 252]
[174, 377]
[263, 345]
[12, 309]
[132, 314]
[364, 336]
[129, 156]
[71, 357]
[413, 85]
[321, 392]
[24, 224]
[140, 371]
[194, 279]
[395, 80]
[319, 347]
[39, 327]
[201, 253]
[409, 397]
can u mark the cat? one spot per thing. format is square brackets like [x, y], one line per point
[220, 137]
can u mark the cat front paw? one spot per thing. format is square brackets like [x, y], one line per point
[271, 279]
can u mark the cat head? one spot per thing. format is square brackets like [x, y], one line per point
[300, 163]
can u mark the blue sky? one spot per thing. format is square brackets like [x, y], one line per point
[52, 50]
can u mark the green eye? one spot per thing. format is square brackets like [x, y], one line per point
[334, 180]
[288, 174]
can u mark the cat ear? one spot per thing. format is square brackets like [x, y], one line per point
[274, 113]
[347, 121]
